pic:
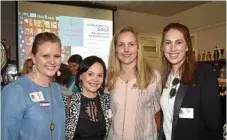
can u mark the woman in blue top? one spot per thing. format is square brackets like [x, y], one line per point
[32, 106]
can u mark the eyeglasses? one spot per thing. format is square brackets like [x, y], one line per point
[174, 86]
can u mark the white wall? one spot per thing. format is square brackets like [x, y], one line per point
[204, 15]
[207, 22]
[143, 23]
[202, 19]
[210, 37]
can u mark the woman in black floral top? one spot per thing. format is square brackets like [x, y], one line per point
[89, 115]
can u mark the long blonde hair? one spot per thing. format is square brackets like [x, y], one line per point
[144, 72]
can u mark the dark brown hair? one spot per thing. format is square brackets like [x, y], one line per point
[86, 64]
[41, 38]
[65, 75]
[76, 58]
[188, 67]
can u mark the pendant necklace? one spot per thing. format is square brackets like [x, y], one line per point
[52, 126]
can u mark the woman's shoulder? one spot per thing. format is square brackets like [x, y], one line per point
[57, 86]
[15, 86]
[105, 95]
[76, 96]
[156, 72]
[156, 76]
[204, 68]
[22, 82]
[20, 87]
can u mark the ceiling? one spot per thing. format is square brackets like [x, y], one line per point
[161, 8]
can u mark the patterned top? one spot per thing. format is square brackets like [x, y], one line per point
[74, 112]
[134, 110]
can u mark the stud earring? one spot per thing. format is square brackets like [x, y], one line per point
[100, 89]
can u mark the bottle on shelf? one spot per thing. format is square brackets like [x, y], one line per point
[222, 56]
[216, 53]
[199, 56]
[208, 55]
[204, 56]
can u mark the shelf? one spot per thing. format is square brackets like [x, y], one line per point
[221, 81]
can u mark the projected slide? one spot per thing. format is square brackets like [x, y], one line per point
[78, 35]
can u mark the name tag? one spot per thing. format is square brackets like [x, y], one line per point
[186, 113]
[44, 103]
[36, 96]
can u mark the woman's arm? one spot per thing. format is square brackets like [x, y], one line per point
[13, 107]
[210, 104]
[157, 97]
[158, 119]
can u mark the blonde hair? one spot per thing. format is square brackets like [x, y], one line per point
[25, 66]
[144, 72]
[41, 38]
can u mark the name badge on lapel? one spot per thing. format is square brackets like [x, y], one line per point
[44, 103]
[186, 113]
[36, 96]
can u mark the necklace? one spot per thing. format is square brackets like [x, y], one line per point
[52, 126]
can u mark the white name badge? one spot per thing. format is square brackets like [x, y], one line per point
[36, 96]
[44, 103]
[186, 113]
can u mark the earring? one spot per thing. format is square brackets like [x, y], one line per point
[100, 89]
[34, 69]
[80, 86]
[58, 73]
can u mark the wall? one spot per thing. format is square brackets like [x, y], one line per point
[207, 22]
[143, 23]
[210, 37]
[204, 15]
[8, 25]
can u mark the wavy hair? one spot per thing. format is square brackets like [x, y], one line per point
[85, 65]
[188, 67]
